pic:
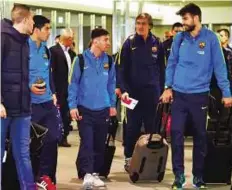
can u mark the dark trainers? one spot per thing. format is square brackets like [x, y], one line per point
[198, 183]
[179, 182]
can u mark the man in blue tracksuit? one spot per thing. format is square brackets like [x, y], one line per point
[141, 70]
[44, 111]
[91, 101]
[195, 54]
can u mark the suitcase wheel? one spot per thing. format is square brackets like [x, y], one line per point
[160, 177]
[134, 177]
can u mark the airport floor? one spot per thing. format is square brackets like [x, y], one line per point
[118, 179]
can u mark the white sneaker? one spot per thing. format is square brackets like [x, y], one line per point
[88, 182]
[97, 182]
[127, 164]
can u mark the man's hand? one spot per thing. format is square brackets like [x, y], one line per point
[36, 90]
[54, 99]
[227, 102]
[2, 111]
[125, 96]
[75, 114]
[167, 96]
[113, 112]
[118, 92]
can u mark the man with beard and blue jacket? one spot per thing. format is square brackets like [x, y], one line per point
[141, 69]
[195, 55]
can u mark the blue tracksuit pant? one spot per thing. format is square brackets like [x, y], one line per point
[144, 112]
[93, 129]
[193, 106]
[45, 114]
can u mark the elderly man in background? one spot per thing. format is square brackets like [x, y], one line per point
[61, 59]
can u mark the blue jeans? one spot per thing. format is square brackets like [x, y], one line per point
[20, 138]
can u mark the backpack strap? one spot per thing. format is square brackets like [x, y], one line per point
[110, 61]
[47, 52]
[82, 64]
[132, 41]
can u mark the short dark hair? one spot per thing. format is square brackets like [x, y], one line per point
[190, 8]
[177, 24]
[97, 32]
[227, 32]
[19, 12]
[40, 21]
[58, 36]
[145, 16]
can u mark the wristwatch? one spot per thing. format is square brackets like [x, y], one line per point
[167, 87]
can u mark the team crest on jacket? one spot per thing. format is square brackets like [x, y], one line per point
[45, 56]
[106, 66]
[202, 45]
[154, 49]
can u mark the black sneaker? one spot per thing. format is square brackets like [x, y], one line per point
[198, 183]
[179, 182]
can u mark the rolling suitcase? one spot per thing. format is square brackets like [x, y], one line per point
[110, 148]
[218, 161]
[150, 154]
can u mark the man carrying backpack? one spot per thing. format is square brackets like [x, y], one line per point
[92, 101]
[141, 71]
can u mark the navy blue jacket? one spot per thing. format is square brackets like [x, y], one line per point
[15, 92]
[142, 64]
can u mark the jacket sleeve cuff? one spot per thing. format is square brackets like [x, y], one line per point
[72, 106]
[226, 94]
[113, 105]
[169, 84]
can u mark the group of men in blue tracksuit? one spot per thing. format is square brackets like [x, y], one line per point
[195, 55]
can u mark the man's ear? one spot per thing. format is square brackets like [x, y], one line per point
[196, 18]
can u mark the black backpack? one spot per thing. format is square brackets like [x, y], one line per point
[82, 63]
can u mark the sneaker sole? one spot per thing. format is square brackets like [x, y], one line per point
[199, 187]
[181, 187]
[41, 187]
[99, 186]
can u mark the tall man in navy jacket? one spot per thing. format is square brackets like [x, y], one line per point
[15, 108]
[44, 111]
[92, 100]
[195, 54]
[141, 71]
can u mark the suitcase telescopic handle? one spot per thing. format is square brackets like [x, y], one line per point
[158, 121]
